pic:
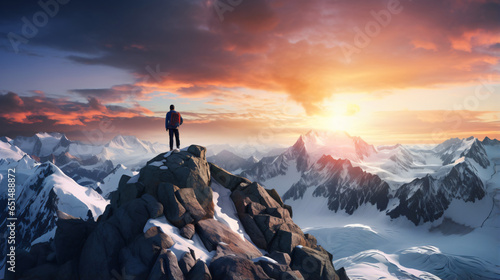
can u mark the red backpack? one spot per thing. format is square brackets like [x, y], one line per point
[175, 119]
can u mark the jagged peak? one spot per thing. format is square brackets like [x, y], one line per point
[6, 139]
[42, 135]
[489, 141]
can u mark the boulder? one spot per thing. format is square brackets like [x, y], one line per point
[139, 257]
[311, 241]
[280, 257]
[100, 253]
[158, 270]
[234, 267]
[269, 225]
[254, 208]
[188, 199]
[274, 194]
[273, 270]
[313, 264]
[213, 232]
[70, 236]
[186, 263]
[149, 177]
[253, 231]
[291, 275]
[198, 151]
[342, 274]
[254, 192]
[285, 240]
[225, 178]
[280, 234]
[289, 208]
[187, 231]
[235, 249]
[199, 271]
[172, 270]
[185, 169]
[123, 180]
[279, 212]
[131, 265]
[165, 267]
[173, 209]
[190, 171]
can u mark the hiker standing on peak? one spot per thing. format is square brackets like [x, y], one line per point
[172, 122]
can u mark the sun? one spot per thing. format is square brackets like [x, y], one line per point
[335, 122]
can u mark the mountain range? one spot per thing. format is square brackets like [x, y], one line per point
[415, 182]
[452, 187]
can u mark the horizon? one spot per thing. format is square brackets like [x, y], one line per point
[253, 143]
[391, 72]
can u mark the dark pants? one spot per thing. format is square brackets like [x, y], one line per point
[171, 133]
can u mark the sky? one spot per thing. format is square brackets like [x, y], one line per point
[251, 71]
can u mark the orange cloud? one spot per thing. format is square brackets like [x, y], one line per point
[426, 45]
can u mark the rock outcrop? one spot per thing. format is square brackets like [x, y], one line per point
[269, 224]
[177, 185]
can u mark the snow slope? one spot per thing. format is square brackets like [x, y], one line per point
[225, 212]
[110, 182]
[44, 191]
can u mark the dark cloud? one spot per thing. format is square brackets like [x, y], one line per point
[114, 94]
[28, 110]
[10, 102]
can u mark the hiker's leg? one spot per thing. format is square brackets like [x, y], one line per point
[177, 140]
[171, 138]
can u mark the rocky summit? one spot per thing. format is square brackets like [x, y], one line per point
[177, 188]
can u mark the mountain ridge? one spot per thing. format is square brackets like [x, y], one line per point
[135, 232]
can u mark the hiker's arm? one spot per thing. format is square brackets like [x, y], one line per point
[182, 120]
[167, 119]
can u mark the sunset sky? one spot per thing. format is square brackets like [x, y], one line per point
[251, 71]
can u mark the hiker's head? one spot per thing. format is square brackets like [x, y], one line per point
[172, 107]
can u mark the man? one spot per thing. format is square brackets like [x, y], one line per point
[172, 122]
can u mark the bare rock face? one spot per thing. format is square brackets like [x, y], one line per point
[225, 178]
[100, 253]
[234, 267]
[165, 267]
[187, 231]
[217, 236]
[70, 236]
[185, 170]
[199, 271]
[269, 224]
[313, 264]
[187, 262]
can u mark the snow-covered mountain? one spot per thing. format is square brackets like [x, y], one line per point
[419, 183]
[130, 150]
[110, 182]
[307, 150]
[345, 186]
[45, 190]
[232, 162]
[85, 163]
[246, 150]
[453, 149]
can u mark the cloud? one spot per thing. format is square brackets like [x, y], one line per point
[433, 126]
[116, 93]
[40, 110]
[276, 46]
